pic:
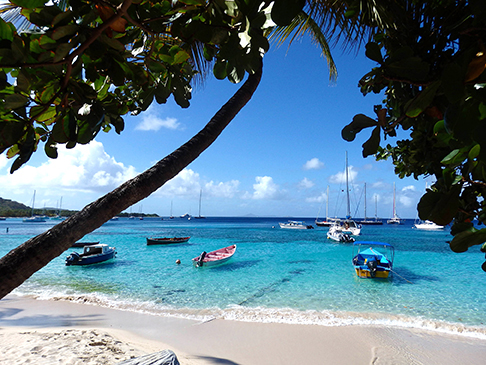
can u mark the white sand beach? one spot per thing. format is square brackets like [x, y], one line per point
[59, 332]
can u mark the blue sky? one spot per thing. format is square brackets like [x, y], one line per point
[276, 158]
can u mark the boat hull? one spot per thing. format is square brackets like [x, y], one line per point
[166, 240]
[82, 244]
[369, 262]
[214, 258]
[91, 255]
[366, 274]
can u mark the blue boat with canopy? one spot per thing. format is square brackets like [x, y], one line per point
[373, 259]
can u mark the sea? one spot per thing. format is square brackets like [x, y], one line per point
[276, 275]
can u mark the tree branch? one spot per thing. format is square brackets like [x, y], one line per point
[22, 262]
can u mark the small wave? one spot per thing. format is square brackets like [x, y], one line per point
[267, 315]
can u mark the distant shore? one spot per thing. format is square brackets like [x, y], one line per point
[44, 332]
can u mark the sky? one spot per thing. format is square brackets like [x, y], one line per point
[278, 157]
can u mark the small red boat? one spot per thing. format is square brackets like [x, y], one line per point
[214, 258]
[166, 240]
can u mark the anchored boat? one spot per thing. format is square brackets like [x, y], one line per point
[91, 255]
[373, 259]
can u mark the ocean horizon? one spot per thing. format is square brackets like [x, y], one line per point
[276, 275]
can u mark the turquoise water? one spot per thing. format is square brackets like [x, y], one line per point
[276, 275]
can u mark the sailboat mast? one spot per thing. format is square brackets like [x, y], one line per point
[347, 189]
[394, 212]
[327, 204]
[200, 196]
[33, 203]
[365, 201]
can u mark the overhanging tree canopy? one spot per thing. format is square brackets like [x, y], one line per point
[431, 66]
[86, 64]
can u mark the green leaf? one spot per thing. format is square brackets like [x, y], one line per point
[463, 240]
[6, 30]
[64, 31]
[43, 114]
[373, 52]
[370, 147]
[180, 57]
[454, 157]
[10, 133]
[422, 100]
[360, 121]
[219, 70]
[284, 11]
[51, 150]
[474, 152]
[15, 101]
[62, 51]
[439, 207]
[29, 4]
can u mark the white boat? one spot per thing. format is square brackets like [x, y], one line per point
[33, 218]
[395, 219]
[428, 226]
[295, 225]
[336, 234]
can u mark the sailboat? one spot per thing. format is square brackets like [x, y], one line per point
[200, 198]
[33, 218]
[367, 221]
[171, 216]
[395, 219]
[58, 216]
[328, 222]
[347, 225]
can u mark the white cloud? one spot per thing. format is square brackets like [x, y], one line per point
[86, 167]
[151, 122]
[409, 188]
[313, 164]
[185, 184]
[222, 189]
[305, 183]
[188, 184]
[340, 177]
[317, 199]
[264, 188]
[406, 201]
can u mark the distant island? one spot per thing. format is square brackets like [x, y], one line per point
[11, 209]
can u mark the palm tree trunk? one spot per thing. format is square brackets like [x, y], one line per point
[22, 262]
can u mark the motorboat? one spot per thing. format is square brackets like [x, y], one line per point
[428, 226]
[213, 258]
[91, 255]
[295, 225]
[336, 234]
[373, 259]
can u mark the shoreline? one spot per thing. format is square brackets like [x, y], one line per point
[286, 315]
[220, 341]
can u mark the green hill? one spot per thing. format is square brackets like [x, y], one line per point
[10, 205]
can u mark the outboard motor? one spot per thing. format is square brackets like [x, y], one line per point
[373, 266]
[73, 257]
[201, 258]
